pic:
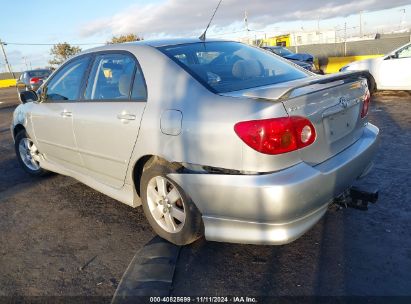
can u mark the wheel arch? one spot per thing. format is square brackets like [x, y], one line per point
[138, 171]
[143, 161]
[17, 128]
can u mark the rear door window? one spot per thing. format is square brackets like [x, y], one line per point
[111, 77]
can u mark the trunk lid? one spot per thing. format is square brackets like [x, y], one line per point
[332, 103]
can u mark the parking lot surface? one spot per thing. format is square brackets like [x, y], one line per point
[60, 237]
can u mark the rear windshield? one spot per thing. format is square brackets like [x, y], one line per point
[39, 73]
[232, 66]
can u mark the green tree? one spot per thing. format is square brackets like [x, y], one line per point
[124, 38]
[61, 52]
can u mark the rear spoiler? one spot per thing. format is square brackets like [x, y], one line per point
[347, 77]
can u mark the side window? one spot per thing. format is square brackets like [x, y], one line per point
[111, 77]
[66, 83]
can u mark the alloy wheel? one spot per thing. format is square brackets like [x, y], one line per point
[166, 204]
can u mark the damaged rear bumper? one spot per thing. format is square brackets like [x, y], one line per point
[279, 207]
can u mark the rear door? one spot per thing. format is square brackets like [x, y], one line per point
[52, 118]
[107, 119]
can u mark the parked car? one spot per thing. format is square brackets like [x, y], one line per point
[391, 72]
[216, 138]
[304, 60]
[31, 80]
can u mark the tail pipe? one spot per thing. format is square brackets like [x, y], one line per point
[357, 198]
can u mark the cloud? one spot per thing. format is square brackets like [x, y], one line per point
[185, 17]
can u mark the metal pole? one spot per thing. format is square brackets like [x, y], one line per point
[5, 59]
[345, 39]
[361, 34]
[25, 62]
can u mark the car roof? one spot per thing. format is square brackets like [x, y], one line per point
[37, 70]
[156, 43]
[175, 41]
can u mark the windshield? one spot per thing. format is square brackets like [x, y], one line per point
[232, 66]
[39, 73]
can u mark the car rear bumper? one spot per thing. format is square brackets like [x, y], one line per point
[279, 207]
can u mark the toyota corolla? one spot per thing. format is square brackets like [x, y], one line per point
[213, 138]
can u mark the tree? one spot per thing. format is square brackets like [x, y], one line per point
[124, 38]
[61, 52]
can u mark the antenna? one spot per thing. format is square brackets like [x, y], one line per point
[203, 35]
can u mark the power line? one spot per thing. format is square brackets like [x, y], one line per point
[21, 43]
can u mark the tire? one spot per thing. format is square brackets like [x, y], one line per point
[24, 156]
[165, 217]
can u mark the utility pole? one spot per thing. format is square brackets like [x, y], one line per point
[246, 21]
[318, 25]
[361, 33]
[2, 44]
[402, 24]
[25, 62]
[345, 31]
[345, 38]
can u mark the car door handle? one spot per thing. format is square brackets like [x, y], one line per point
[66, 114]
[126, 116]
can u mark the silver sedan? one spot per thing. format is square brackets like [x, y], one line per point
[212, 138]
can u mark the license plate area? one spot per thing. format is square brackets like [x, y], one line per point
[340, 124]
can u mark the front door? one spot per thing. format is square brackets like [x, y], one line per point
[52, 117]
[395, 71]
[107, 120]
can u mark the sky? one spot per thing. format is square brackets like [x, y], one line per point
[92, 22]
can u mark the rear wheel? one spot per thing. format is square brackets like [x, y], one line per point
[26, 152]
[170, 212]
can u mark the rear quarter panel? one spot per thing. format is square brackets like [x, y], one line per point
[207, 136]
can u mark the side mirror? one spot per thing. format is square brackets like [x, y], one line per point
[27, 96]
[392, 56]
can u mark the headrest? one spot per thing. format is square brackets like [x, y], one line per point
[245, 69]
[112, 66]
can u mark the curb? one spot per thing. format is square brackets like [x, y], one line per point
[150, 272]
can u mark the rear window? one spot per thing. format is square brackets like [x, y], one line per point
[40, 73]
[232, 66]
[281, 51]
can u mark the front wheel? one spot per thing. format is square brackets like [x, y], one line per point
[170, 212]
[26, 152]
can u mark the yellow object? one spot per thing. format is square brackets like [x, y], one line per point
[336, 63]
[7, 83]
[283, 40]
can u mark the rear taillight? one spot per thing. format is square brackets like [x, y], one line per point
[366, 104]
[276, 135]
[34, 80]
